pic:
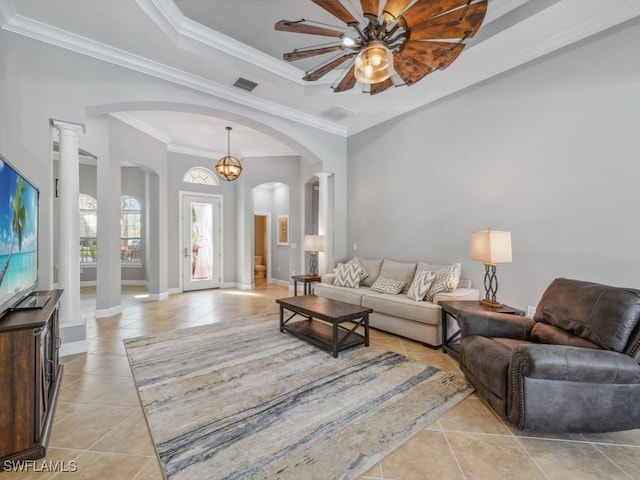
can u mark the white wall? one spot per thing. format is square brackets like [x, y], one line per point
[548, 152]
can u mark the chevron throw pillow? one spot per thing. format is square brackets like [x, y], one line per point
[420, 285]
[348, 275]
[446, 280]
[356, 261]
[387, 285]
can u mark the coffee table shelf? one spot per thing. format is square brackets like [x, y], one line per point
[322, 322]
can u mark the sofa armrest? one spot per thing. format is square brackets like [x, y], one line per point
[574, 364]
[327, 278]
[494, 324]
[457, 294]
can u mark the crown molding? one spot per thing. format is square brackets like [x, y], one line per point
[587, 17]
[171, 20]
[194, 151]
[7, 11]
[76, 43]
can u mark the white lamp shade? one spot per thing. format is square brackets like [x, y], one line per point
[314, 243]
[491, 246]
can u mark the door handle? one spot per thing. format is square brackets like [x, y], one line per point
[186, 251]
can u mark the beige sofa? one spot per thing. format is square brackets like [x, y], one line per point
[398, 314]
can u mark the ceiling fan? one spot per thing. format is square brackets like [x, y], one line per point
[399, 46]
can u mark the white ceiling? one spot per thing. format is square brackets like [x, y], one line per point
[209, 44]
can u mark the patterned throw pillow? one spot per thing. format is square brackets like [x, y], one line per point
[420, 285]
[446, 280]
[356, 261]
[387, 285]
[348, 275]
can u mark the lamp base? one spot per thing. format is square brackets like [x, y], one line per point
[490, 303]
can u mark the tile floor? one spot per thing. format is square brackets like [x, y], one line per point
[100, 426]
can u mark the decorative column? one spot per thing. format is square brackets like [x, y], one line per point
[68, 226]
[325, 221]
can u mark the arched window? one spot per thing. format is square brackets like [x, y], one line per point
[130, 230]
[201, 176]
[88, 208]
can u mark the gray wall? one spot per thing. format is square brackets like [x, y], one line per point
[548, 152]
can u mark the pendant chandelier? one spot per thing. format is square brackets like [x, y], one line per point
[228, 168]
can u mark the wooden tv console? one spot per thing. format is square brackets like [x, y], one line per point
[30, 376]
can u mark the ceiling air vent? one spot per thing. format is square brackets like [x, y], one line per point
[245, 84]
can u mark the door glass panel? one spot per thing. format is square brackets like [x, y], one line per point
[201, 241]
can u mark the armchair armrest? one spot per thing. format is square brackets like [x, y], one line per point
[574, 364]
[493, 324]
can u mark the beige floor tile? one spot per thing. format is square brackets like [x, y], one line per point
[131, 436]
[473, 415]
[374, 473]
[426, 456]
[97, 465]
[89, 363]
[102, 390]
[492, 457]
[87, 425]
[151, 471]
[562, 460]
[627, 458]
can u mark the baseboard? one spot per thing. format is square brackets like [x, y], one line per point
[284, 283]
[108, 312]
[244, 286]
[135, 283]
[73, 347]
[174, 291]
[228, 285]
[88, 283]
[158, 297]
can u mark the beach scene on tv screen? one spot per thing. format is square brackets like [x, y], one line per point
[18, 232]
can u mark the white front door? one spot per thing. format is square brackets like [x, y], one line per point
[200, 242]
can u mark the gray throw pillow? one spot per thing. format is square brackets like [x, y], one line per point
[387, 285]
[348, 275]
[446, 280]
[420, 285]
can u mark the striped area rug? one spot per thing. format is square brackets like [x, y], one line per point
[239, 400]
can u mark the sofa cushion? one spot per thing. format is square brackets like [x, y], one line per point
[446, 280]
[372, 266]
[387, 285]
[342, 294]
[545, 333]
[403, 307]
[420, 285]
[398, 271]
[348, 275]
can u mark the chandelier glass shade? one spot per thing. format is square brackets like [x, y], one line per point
[374, 63]
[228, 167]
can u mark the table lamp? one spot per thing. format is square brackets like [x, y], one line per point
[491, 247]
[313, 244]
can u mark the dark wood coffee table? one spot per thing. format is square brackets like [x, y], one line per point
[322, 322]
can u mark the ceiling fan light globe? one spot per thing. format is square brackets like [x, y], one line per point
[348, 41]
[374, 63]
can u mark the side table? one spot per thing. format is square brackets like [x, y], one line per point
[307, 280]
[452, 309]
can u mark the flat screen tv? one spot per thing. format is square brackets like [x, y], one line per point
[18, 236]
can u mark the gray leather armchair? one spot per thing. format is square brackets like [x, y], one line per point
[574, 367]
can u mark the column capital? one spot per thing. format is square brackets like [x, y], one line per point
[324, 174]
[68, 127]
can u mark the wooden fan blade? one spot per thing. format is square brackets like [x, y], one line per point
[410, 70]
[423, 10]
[299, 27]
[370, 8]
[335, 8]
[348, 81]
[433, 54]
[324, 69]
[394, 8]
[299, 54]
[452, 24]
[461, 29]
[381, 86]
